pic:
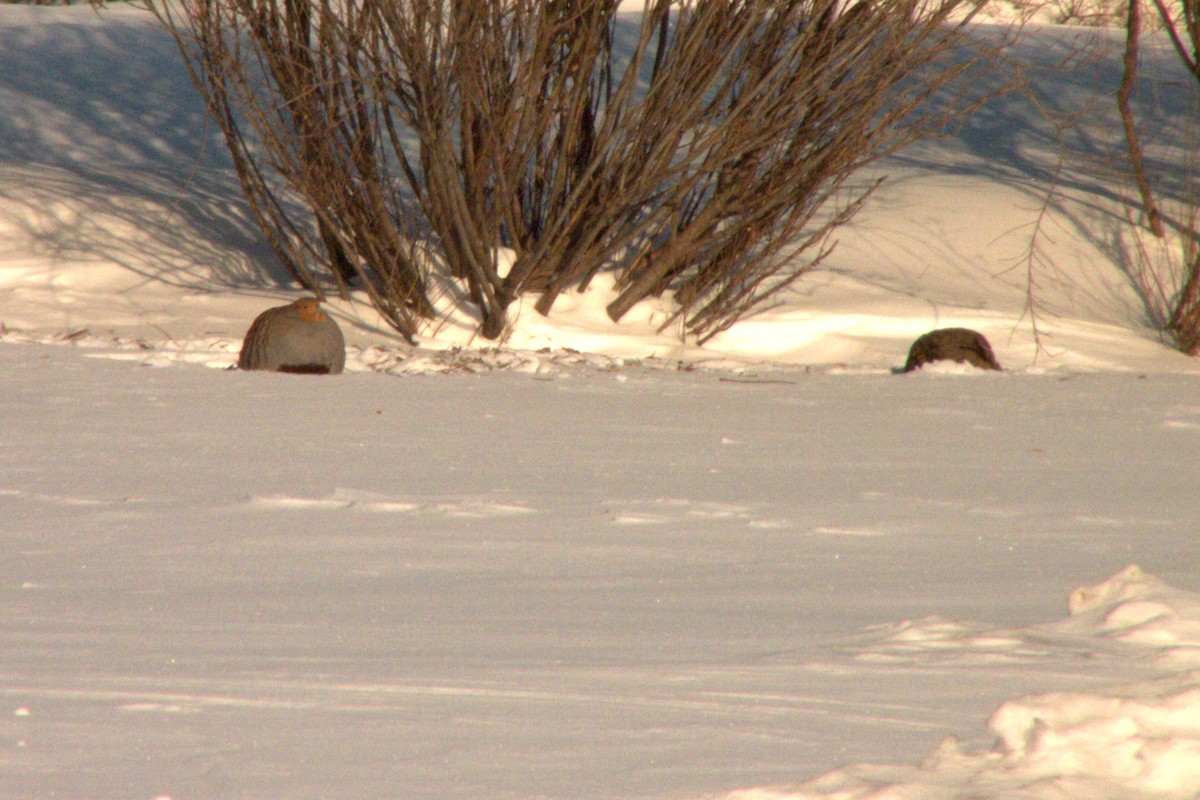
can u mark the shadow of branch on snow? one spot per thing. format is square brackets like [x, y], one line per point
[1057, 141]
[108, 153]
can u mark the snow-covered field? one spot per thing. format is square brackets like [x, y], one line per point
[595, 563]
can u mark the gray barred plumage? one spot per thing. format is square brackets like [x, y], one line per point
[298, 337]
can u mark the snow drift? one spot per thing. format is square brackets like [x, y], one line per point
[1137, 741]
[597, 562]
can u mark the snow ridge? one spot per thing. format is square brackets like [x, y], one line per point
[1136, 741]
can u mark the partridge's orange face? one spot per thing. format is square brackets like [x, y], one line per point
[309, 308]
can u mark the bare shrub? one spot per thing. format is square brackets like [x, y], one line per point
[704, 147]
[1092, 13]
[1081, 13]
[1171, 290]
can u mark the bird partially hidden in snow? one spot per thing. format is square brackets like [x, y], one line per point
[298, 337]
[952, 344]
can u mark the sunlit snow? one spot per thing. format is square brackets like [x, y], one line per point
[592, 561]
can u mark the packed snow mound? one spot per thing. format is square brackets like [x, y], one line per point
[1136, 741]
[1141, 610]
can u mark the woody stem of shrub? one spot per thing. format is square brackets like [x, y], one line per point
[1182, 313]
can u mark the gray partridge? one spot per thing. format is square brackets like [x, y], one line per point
[298, 337]
[952, 344]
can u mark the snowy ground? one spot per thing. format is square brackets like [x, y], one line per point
[596, 563]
